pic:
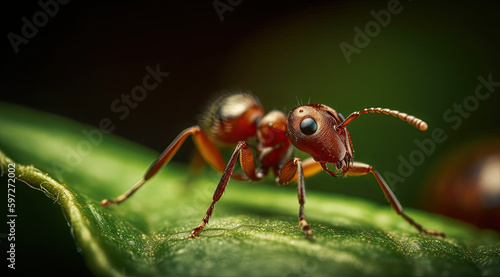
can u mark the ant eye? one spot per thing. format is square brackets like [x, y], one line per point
[308, 126]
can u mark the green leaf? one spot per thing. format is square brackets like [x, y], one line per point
[253, 231]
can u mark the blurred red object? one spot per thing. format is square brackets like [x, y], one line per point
[466, 185]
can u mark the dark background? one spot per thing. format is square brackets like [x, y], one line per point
[426, 59]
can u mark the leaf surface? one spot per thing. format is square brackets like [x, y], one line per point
[254, 229]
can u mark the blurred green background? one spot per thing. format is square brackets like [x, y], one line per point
[425, 60]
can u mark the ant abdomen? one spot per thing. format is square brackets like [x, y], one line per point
[232, 117]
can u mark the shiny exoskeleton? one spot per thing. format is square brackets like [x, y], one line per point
[236, 119]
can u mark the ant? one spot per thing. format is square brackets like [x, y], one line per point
[314, 128]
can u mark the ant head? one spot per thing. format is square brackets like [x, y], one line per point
[271, 128]
[313, 129]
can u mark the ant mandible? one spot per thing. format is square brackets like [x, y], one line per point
[314, 128]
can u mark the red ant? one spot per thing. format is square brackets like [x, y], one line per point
[315, 129]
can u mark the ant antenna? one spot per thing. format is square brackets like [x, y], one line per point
[416, 122]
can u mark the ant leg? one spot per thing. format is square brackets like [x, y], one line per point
[248, 165]
[357, 169]
[310, 167]
[290, 169]
[208, 151]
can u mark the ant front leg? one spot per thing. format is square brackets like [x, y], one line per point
[247, 164]
[208, 151]
[357, 169]
[286, 174]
